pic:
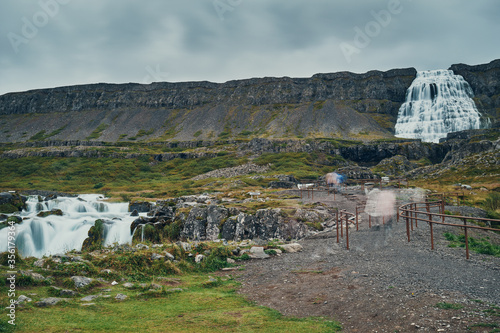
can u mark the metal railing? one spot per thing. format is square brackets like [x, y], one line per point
[412, 213]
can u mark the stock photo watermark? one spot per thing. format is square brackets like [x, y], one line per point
[30, 26]
[154, 75]
[372, 29]
[224, 6]
[11, 274]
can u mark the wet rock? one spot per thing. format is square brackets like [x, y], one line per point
[134, 213]
[12, 202]
[140, 207]
[95, 238]
[56, 212]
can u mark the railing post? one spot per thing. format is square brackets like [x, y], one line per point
[411, 216]
[357, 228]
[369, 221]
[347, 230]
[337, 223]
[416, 216]
[466, 239]
[397, 215]
[407, 225]
[442, 209]
[432, 236]
[341, 224]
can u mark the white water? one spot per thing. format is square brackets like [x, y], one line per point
[437, 103]
[39, 236]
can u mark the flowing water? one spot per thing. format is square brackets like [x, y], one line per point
[39, 236]
[437, 103]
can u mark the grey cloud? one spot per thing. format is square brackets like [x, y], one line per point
[122, 40]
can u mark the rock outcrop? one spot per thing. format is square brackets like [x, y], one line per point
[176, 219]
[485, 82]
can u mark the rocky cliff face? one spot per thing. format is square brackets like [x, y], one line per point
[345, 105]
[257, 92]
[485, 82]
[337, 104]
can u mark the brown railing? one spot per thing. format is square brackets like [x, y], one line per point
[412, 213]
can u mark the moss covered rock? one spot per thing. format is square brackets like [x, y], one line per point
[95, 238]
[11, 203]
[56, 212]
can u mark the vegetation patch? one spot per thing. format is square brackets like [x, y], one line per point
[482, 245]
[97, 132]
[449, 306]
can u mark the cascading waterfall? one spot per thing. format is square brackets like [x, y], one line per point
[37, 236]
[437, 103]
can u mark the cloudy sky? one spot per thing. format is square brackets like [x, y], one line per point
[48, 43]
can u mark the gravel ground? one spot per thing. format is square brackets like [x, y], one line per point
[383, 283]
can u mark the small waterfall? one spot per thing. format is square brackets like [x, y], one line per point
[37, 236]
[437, 103]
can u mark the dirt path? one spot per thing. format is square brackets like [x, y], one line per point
[383, 283]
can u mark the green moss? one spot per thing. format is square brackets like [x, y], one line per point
[318, 105]
[95, 238]
[8, 209]
[97, 132]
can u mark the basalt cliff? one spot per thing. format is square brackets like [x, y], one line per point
[336, 105]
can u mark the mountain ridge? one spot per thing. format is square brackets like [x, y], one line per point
[337, 105]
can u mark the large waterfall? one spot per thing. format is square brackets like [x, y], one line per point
[437, 103]
[39, 236]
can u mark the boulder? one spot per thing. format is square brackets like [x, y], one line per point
[64, 292]
[121, 297]
[199, 258]
[134, 213]
[49, 301]
[81, 281]
[257, 252]
[395, 166]
[89, 298]
[169, 256]
[292, 248]
[156, 256]
[23, 299]
[140, 207]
